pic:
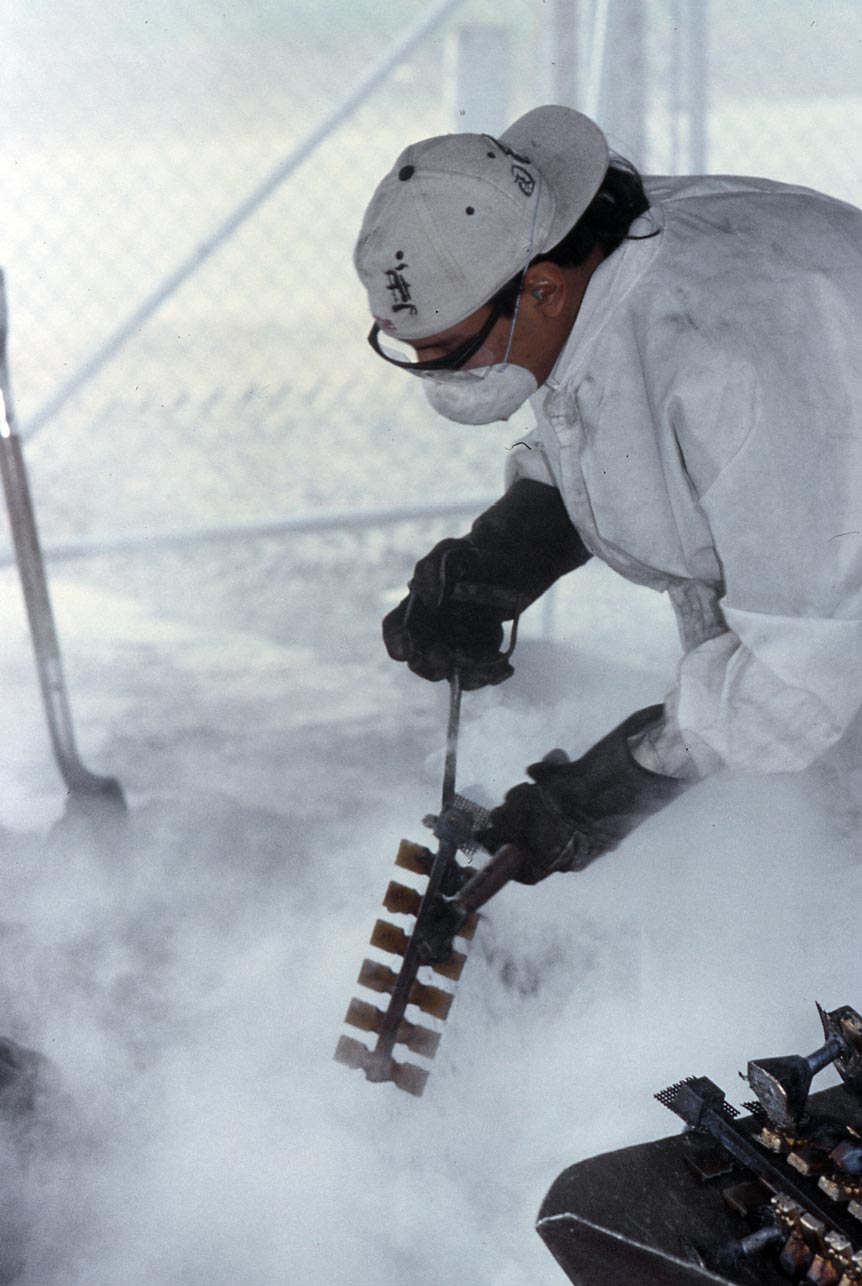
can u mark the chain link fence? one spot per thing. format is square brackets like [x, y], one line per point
[143, 139]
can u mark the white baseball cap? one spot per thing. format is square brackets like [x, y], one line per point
[459, 215]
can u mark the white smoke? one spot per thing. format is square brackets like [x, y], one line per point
[188, 976]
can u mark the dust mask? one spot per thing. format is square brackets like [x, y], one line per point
[480, 396]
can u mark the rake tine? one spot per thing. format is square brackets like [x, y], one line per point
[406, 1076]
[401, 899]
[451, 968]
[364, 1016]
[409, 1077]
[377, 977]
[421, 1040]
[388, 937]
[431, 1000]
[468, 928]
[415, 858]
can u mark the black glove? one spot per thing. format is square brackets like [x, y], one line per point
[465, 588]
[578, 811]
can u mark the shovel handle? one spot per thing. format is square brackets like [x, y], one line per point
[482, 886]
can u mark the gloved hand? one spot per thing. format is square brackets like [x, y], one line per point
[434, 641]
[577, 811]
[465, 588]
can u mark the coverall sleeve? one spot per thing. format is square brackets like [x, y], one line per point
[782, 684]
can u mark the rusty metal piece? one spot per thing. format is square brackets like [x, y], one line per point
[813, 1229]
[704, 1156]
[431, 1000]
[827, 1269]
[786, 1210]
[352, 1053]
[377, 977]
[388, 937]
[369, 1018]
[782, 1085]
[364, 1016]
[845, 1025]
[839, 1188]
[410, 1078]
[796, 1256]
[823, 1272]
[809, 1160]
[780, 1141]
[400, 899]
[420, 1040]
[414, 857]
[438, 919]
[469, 927]
[747, 1197]
[840, 1248]
[451, 968]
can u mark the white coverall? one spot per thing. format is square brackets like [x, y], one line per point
[703, 425]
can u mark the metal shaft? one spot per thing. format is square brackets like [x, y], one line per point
[451, 763]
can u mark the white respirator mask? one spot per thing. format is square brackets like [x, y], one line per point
[482, 395]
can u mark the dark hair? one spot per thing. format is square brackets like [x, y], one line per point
[604, 224]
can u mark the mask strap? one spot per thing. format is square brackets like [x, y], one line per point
[505, 357]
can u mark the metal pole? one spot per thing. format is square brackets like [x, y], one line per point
[82, 784]
[679, 86]
[698, 71]
[296, 524]
[622, 92]
[451, 761]
[79, 780]
[561, 50]
[596, 62]
[237, 217]
[481, 76]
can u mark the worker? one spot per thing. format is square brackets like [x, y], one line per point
[690, 348]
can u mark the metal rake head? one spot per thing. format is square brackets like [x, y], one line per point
[390, 1026]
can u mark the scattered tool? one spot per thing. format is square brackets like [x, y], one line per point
[445, 912]
[773, 1198]
[83, 785]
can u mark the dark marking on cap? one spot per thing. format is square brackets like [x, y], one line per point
[406, 172]
[469, 210]
[399, 254]
[492, 156]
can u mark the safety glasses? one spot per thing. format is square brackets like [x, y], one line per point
[398, 352]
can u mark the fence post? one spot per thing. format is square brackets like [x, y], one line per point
[561, 32]
[621, 93]
[480, 79]
[696, 50]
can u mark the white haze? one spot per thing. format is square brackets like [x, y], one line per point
[188, 977]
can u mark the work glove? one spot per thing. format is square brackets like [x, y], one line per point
[464, 590]
[577, 811]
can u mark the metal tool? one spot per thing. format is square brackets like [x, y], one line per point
[782, 1085]
[446, 912]
[81, 783]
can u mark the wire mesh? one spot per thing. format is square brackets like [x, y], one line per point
[251, 391]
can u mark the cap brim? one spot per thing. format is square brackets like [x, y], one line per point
[572, 154]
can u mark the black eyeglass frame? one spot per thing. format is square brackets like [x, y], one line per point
[449, 361]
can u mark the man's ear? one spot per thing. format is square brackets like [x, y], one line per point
[544, 285]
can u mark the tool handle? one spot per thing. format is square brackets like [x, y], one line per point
[482, 886]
